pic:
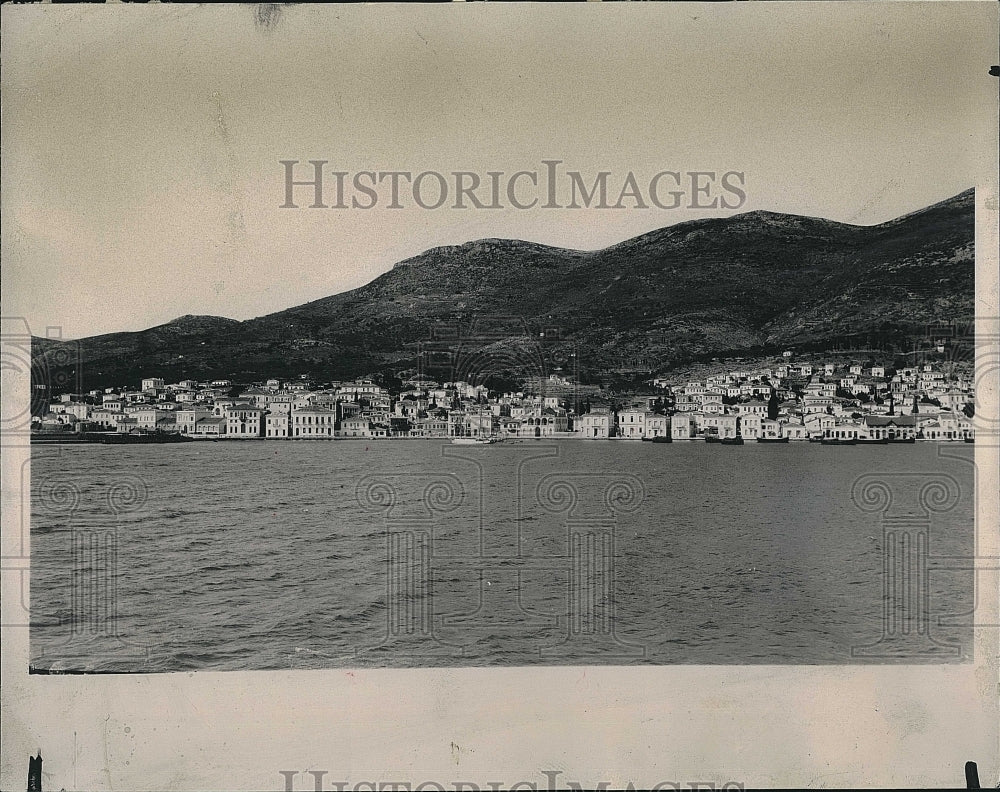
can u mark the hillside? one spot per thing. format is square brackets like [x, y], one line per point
[750, 283]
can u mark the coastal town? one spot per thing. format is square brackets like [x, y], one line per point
[789, 401]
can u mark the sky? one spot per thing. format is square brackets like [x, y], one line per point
[142, 143]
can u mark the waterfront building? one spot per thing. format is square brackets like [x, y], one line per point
[723, 425]
[657, 425]
[107, 419]
[794, 431]
[278, 424]
[147, 418]
[314, 423]
[750, 425]
[210, 427]
[947, 426]
[682, 426]
[597, 424]
[357, 426]
[127, 426]
[848, 430]
[891, 427]
[244, 421]
[546, 422]
[817, 424]
[771, 428]
[187, 419]
[632, 424]
[481, 424]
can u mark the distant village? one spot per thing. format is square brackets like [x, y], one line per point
[788, 401]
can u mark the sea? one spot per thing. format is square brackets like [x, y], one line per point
[253, 555]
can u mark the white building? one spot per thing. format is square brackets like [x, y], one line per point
[147, 418]
[187, 418]
[314, 423]
[358, 426]
[244, 421]
[595, 425]
[632, 424]
[750, 426]
[682, 426]
[278, 424]
[657, 425]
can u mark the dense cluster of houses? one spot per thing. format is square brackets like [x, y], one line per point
[807, 401]
[790, 401]
[360, 409]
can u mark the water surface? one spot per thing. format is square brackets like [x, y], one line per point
[298, 554]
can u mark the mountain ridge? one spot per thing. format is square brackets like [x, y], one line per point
[752, 281]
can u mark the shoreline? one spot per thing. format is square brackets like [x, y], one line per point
[76, 440]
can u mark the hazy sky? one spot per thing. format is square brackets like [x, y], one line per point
[141, 144]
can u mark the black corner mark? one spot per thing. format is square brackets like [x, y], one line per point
[35, 773]
[995, 71]
[971, 776]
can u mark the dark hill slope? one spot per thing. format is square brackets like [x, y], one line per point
[700, 288]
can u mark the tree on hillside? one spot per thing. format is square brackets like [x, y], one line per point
[773, 405]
